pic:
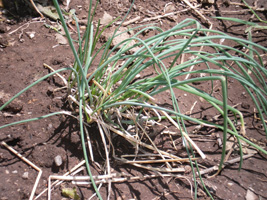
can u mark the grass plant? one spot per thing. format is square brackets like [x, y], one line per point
[112, 96]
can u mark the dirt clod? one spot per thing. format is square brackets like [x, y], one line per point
[245, 105]
[15, 106]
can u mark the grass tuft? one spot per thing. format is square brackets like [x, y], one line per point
[122, 103]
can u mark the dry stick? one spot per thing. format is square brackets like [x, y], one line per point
[33, 4]
[101, 131]
[215, 168]
[153, 144]
[58, 181]
[122, 179]
[61, 77]
[159, 161]
[131, 21]
[64, 81]
[194, 8]
[191, 109]
[165, 170]
[173, 143]
[141, 155]
[104, 178]
[133, 140]
[234, 11]
[89, 145]
[26, 24]
[166, 15]
[185, 135]
[149, 147]
[229, 152]
[100, 185]
[29, 163]
[257, 118]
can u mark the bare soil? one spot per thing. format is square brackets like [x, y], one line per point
[21, 63]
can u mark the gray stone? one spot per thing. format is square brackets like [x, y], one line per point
[58, 160]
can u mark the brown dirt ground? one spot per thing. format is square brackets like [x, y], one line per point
[21, 63]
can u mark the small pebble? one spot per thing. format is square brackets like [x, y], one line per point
[230, 184]
[14, 172]
[245, 105]
[50, 126]
[58, 160]
[25, 175]
[188, 169]
[7, 172]
[137, 76]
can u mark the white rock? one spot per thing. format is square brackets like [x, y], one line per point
[230, 184]
[106, 19]
[61, 39]
[30, 34]
[58, 160]
[122, 35]
[251, 195]
[25, 175]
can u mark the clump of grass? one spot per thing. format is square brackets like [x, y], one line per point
[111, 96]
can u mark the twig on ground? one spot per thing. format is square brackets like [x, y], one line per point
[85, 180]
[257, 118]
[103, 130]
[185, 135]
[37, 10]
[131, 21]
[215, 168]
[29, 163]
[191, 109]
[166, 15]
[201, 16]
[233, 11]
[158, 161]
[58, 182]
[61, 77]
[135, 141]
[26, 24]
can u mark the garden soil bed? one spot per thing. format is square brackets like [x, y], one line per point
[21, 63]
